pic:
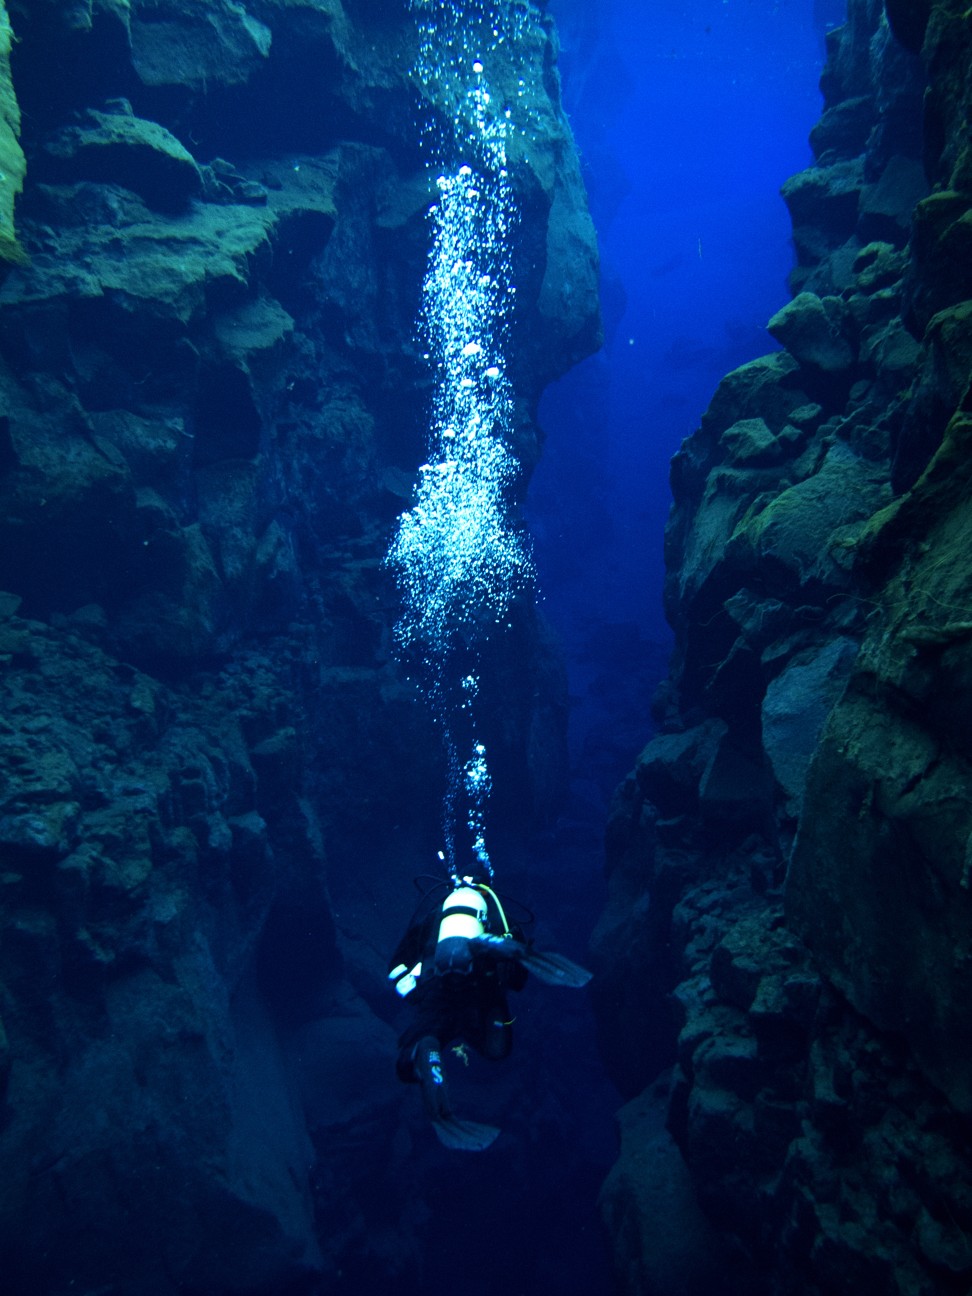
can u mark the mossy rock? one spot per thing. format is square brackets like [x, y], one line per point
[13, 166]
[119, 148]
[763, 388]
[803, 528]
[814, 331]
[750, 441]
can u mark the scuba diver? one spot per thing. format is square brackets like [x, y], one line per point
[454, 965]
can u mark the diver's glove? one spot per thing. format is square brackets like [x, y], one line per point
[461, 1135]
[553, 969]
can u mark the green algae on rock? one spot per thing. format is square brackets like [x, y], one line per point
[13, 165]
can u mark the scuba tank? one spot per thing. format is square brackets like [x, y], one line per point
[438, 938]
[464, 916]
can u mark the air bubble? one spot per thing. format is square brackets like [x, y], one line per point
[458, 558]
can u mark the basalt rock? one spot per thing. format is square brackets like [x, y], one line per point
[212, 769]
[813, 931]
[117, 148]
[12, 162]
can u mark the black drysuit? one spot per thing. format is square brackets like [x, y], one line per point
[468, 1006]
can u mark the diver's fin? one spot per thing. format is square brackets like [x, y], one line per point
[555, 969]
[464, 1135]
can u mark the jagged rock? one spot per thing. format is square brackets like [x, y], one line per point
[941, 246]
[118, 148]
[804, 528]
[824, 616]
[750, 441]
[662, 1240]
[942, 382]
[177, 45]
[12, 163]
[946, 50]
[886, 207]
[823, 203]
[66, 506]
[891, 851]
[221, 182]
[948, 339]
[180, 611]
[166, 969]
[228, 510]
[761, 620]
[795, 708]
[206, 374]
[806, 417]
[878, 265]
[156, 450]
[892, 354]
[814, 331]
[253, 331]
[843, 129]
[155, 273]
[571, 274]
[764, 388]
[670, 768]
[730, 496]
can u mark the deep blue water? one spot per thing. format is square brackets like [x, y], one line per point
[688, 117]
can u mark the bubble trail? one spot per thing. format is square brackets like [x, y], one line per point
[457, 555]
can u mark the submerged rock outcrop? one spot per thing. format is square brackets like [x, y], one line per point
[213, 408]
[789, 861]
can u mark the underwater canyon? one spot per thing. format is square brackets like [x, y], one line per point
[218, 776]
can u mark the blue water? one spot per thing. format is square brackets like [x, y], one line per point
[689, 117]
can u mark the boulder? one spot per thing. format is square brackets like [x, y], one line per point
[823, 203]
[729, 497]
[795, 709]
[878, 265]
[815, 332]
[119, 148]
[177, 44]
[662, 1241]
[806, 528]
[763, 388]
[886, 207]
[750, 441]
[879, 879]
[671, 767]
[843, 128]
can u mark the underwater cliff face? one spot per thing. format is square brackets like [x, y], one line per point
[212, 771]
[789, 859]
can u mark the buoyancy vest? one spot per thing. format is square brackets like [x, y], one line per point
[471, 909]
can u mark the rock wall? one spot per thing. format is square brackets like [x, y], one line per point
[789, 860]
[212, 771]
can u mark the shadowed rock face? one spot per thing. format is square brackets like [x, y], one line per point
[789, 861]
[212, 774]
